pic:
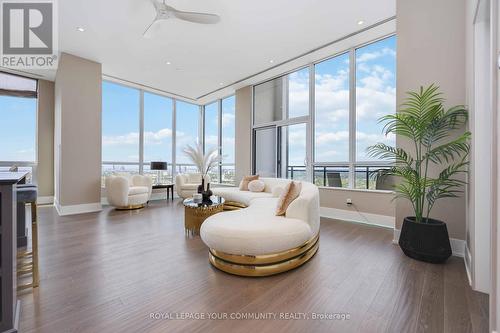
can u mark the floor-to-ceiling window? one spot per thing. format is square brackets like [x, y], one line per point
[18, 111]
[352, 90]
[375, 97]
[219, 132]
[158, 115]
[140, 127]
[211, 133]
[187, 133]
[281, 126]
[227, 139]
[331, 121]
[120, 129]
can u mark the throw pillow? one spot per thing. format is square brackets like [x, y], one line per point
[256, 186]
[290, 193]
[246, 180]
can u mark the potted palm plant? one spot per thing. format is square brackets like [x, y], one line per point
[424, 121]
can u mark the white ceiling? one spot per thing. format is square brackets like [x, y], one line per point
[249, 35]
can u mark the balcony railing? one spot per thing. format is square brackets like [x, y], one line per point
[338, 176]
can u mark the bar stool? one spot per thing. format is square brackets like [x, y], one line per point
[27, 195]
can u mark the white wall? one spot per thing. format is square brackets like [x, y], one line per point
[77, 143]
[431, 49]
[479, 219]
[45, 140]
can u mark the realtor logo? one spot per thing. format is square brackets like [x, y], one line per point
[29, 38]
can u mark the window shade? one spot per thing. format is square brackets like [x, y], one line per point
[14, 85]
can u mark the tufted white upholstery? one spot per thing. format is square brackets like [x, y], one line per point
[126, 190]
[256, 230]
[186, 184]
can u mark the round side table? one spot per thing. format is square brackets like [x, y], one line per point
[196, 213]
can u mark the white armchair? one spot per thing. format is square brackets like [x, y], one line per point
[186, 184]
[128, 192]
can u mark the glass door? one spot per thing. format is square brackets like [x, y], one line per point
[292, 155]
[265, 152]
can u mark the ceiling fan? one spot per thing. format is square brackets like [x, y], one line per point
[165, 12]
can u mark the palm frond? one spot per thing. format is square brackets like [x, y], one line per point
[386, 152]
[446, 185]
[204, 162]
[423, 120]
[444, 122]
[448, 151]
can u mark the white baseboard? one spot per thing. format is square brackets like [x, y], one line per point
[457, 245]
[77, 209]
[45, 200]
[357, 217]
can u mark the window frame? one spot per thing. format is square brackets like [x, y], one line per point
[173, 164]
[220, 133]
[311, 152]
[27, 164]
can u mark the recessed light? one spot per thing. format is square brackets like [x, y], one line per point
[169, 63]
[80, 29]
[221, 84]
[271, 61]
[361, 22]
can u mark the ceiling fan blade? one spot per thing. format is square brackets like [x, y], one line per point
[194, 17]
[147, 32]
[156, 4]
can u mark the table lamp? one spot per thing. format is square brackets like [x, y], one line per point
[158, 166]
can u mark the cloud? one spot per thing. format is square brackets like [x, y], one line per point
[331, 98]
[369, 56]
[375, 97]
[228, 119]
[25, 151]
[126, 139]
[132, 138]
[157, 137]
[297, 136]
[325, 138]
[373, 138]
[212, 140]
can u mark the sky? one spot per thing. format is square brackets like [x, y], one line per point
[375, 97]
[17, 129]
[120, 126]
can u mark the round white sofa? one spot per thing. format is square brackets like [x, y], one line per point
[253, 241]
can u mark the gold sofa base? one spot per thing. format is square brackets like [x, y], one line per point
[131, 207]
[264, 265]
[233, 205]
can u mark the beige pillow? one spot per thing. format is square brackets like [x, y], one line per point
[246, 180]
[256, 186]
[290, 193]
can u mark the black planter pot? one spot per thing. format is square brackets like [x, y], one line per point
[427, 242]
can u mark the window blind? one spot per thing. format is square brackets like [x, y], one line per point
[18, 86]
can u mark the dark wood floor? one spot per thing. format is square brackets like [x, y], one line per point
[108, 272]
